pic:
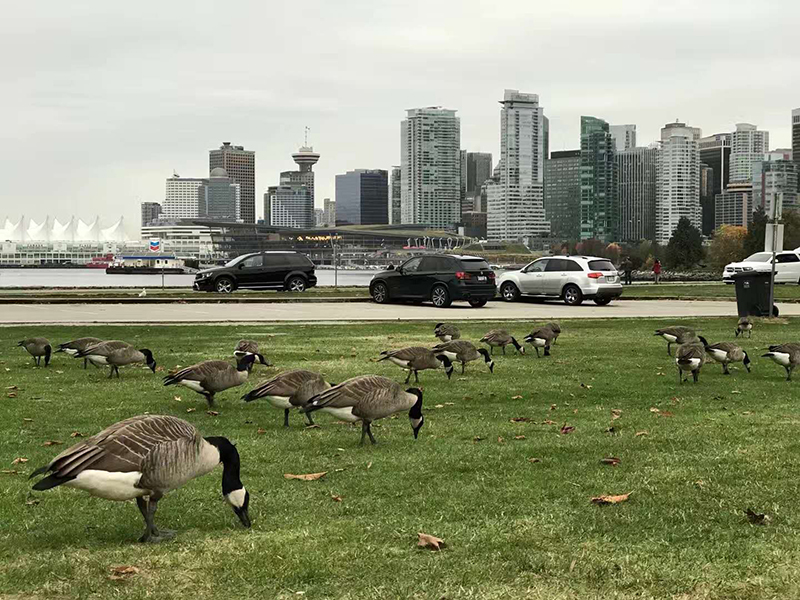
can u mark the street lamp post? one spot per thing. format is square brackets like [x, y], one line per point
[774, 226]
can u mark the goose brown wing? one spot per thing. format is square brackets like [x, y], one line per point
[80, 343]
[353, 391]
[689, 351]
[250, 346]
[410, 353]
[723, 346]
[124, 446]
[285, 384]
[201, 371]
[105, 348]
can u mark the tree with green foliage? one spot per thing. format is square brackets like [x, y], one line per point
[727, 245]
[685, 248]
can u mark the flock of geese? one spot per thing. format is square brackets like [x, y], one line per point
[146, 456]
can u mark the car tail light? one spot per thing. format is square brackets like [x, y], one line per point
[490, 274]
[595, 275]
[463, 276]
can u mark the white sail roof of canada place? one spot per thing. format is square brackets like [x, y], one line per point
[53, 230]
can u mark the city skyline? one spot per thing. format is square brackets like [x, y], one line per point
[152, 97]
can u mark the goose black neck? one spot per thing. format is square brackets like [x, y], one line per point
[515, 342]
[416, 410]
[229, 457]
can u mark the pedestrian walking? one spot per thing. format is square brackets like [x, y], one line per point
[657, 270]
[627, 268]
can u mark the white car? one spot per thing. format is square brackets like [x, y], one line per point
[571, 278]
[787, 266]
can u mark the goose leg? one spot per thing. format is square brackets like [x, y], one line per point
[151, 533]
[788, 373]
[286, 417]
[416, 376]
[363, 432]
[111, 371]
[695, 375]
[116, 368]
[310, 420]
[463, 364]
[504, 349]
[680, 376]
[669, 345]
[408, 377]
[36, 360]
[369, 433]
[547, 350]
[725, 369]
[537, 351]
[85, 363]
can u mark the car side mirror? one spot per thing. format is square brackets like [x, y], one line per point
[391, 268]
[400, 270]
[241, 265]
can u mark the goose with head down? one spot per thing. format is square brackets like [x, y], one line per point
[446, 332]
[116, 354]
[288, 390]
[143, 458]
[38, 348]
[415, 359]
[676, 335]
[209, 377]
[74, 347]
[501, 338]
[786, 355]
[690, 357]
[463, 351]
[245, 347]
[726, 353]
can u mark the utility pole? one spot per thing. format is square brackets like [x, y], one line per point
[774, 226]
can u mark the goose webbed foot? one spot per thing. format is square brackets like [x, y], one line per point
[310, 420]
[366, 431]
[160, 535]
[152, 534]
[210, 400]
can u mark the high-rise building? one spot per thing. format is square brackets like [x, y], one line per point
[734, 206]
[240, 164]
[305, 158]
[677, 179]
[430, 163]
[624, 136]
[150, 212]
[796, 139]
[715, 151]
[748, 145]
[775, 181]
[289, 205]
[636, 177]
[395, 196]
[330, 212]
[362, 197]
[182, 198]
[319, 217]
[599, 204]
[477, 168]
[515, 203]
[221, 197]
[707, 198]
[562, 194]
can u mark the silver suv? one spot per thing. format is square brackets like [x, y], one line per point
[572, 278]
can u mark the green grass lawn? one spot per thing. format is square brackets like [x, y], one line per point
[514, 528]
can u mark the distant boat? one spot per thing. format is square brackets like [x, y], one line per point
[100, 262]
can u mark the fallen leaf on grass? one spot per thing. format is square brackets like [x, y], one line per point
[616, 413]
[60, 372]
[123, 572]
[756, 518]
[610, 460]
[76, 434]
[653, 409]
[369, 465]
[666, 413]
[553, 407]
[565, 429]
[477, 438]
[314, 426]
[610, 499]
[261, 431]
[11, 395]
[438, 406]
[11, 388]
[516, 397]
[430, 541]
[500, 440]
[305, 477]
[519, 437]
[548, 422]
[32, 502]
[188, 410]
[212, 413]
[611, 430]
[587, 386]
[9, 472]
[534, 460]
[19, 460]
[641, 433]
[177, 399]
[520, 419]
[52, 443]
[336, 498]
[27, 420]
[449, 403]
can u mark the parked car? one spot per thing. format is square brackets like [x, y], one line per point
[290, 271]
[572, 278]
[440, 278]
[787, 266]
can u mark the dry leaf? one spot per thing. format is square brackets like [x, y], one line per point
[306, 477]
[553, 407]
[477, 438]
[534, 460]
[438, 406]
[586, 385]
[610, 499]
[640, 433]
[27, 420]
[19, 460]
[12, 388]
[449, 403]
[520, 419]
[123, 572]
[76, 434]
[500, 440]
[369, 465]
[32, 502]
[548, 422]
[314, 426]
[212, 413]
[611, 430]
[565, 429]
[666, 413]
[260, 431]
[52, 443]
[11, 395]
[516, 397]
[653, 409]
[616, 413]
[756, 518]
[611, 460]
[519, 437]
[177, 399]
[188, 410]
[9, 472]
[60, 372]
[336, 498]
[430, 541]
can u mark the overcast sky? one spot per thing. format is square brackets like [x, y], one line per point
[101, 100]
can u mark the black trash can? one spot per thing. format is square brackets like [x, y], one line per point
[752, 294]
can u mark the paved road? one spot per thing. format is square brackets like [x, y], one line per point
[13, 314]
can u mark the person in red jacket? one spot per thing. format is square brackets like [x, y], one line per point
[657, 270]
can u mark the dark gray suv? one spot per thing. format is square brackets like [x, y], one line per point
[290, 271]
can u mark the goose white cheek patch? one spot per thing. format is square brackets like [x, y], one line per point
[236, 498]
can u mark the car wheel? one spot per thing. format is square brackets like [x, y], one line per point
[296, 284]
[602, 301]
[224, 285]
[380, 293]
[477, 302]
[440, 296]
[573, 295]
[509, 291]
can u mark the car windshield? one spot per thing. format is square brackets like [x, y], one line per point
[758, 257]
[236, 261]
[601, 265]
[474, 264]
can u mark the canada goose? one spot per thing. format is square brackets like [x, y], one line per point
[463, 351]
[75, 346]
[500, 337]
[691, 356]
[146, 457]
[116, 354]
[416, 359]
[676, 335]
[37, 348]
[212, 376]
[245, 347]
[556, 329]
[786, 355]
[744, 325]
[541, 338]
[446, 332]
[368, 398]
[726, 353]
[291, 389]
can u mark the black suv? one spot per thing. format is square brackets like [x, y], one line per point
[290, 271]
[440, 278]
